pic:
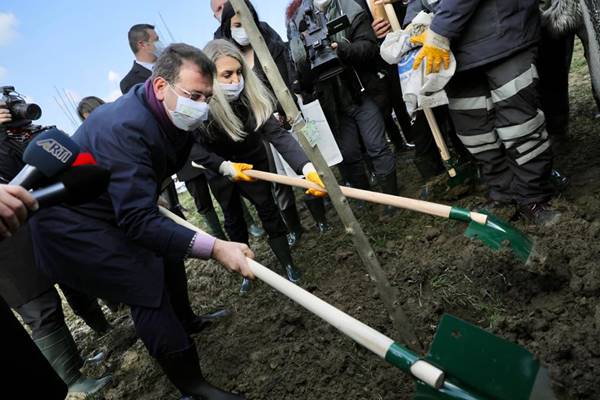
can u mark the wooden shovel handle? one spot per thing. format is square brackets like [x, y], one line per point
[439, 139]
[425, 207]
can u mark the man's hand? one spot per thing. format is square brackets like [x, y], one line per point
[233, 257]
[5, 116]
[14, 205]
[381, 27]
[435, 51]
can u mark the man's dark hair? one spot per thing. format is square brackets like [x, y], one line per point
[138, 33]
[169, 63]
[87, 105]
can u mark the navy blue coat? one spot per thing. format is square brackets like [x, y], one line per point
[483, 31]
[113, 247]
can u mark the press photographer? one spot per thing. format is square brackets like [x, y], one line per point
[333, 47]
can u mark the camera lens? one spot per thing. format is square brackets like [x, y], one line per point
[27, 111]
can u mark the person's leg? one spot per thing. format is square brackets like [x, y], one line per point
[229, 199]
[348, 141]
[165, 337]
[259, 194]
[472, 111]
[198, 188]
[427, 157]
[372, 132]
[87, 308]
[520, 124]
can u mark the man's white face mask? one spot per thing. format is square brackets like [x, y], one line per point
[321, 5]
[188, 114]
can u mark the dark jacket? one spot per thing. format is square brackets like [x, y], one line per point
[213, 146]
[483, 31]
[114, 246]
[137, 74]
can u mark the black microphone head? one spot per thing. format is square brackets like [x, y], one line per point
[84, 183]
[51, 152]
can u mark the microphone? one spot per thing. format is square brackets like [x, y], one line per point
[48, 154]
[75, 186]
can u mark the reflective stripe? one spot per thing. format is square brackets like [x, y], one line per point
[510, 133]
[535, 140]
[487, 147]
[530, 156]
[513, 87]
[478, 140]
[471, 103]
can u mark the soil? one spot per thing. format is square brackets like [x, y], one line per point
[271, 348]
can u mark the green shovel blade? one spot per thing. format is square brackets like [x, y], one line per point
[497, 234]
[483, 365]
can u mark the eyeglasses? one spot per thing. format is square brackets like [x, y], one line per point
[194, 96]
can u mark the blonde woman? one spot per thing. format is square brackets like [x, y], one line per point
[232, 140]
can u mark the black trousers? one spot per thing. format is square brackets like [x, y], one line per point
[497, 115]
[44, 314]
[198, 188]
[259, 194]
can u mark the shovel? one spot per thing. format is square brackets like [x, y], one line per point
[465, 362]
[492, 231]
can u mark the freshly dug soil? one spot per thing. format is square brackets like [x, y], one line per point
[271, 348]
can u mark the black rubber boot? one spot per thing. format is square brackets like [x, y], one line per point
[316, 207]
[95, 319]
[389, 185]
[214, 225]
[183, 370]
[294, 226]
[429, 167]
[60, 350]
[198, 323]
[281, 249]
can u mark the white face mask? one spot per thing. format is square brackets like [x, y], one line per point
[188, 114]
[321, 5]
[158, 48]
[232, 91]
[240, 36]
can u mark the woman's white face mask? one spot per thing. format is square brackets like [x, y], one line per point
[321, 5]
[232, 91]
[240, 36]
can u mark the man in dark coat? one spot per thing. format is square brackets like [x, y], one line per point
[494, 100]
[146, 47]
[120, 247]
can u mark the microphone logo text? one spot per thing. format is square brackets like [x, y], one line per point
[57, 150]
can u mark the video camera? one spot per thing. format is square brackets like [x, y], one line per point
[22, 112]
[310, 41]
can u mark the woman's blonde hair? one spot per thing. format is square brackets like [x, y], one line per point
[255, 96]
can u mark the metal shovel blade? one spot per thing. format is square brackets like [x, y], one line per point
[496, 234]
[479, 365]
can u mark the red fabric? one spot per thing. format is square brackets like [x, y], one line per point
[84, 159]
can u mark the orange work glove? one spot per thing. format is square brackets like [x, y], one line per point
[311, 175]
[234, 171]
[435, 51]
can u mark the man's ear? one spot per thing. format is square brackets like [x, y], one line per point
[160, 86]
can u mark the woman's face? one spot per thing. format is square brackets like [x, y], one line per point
[235, 22]
[229, 70]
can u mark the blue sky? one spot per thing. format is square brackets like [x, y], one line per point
[80, 47]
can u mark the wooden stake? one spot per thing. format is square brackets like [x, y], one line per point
[387, 292]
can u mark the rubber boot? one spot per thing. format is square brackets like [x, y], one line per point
[281, 249]
[389, 185]
[214, 225]
[429, 167]
[316, 207]
[94, 317]
[292, 221]
[254, 229]
[60, 350]
[183, 370]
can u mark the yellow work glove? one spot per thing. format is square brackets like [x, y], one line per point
[435, 51]
[234, 171]
[311, 175]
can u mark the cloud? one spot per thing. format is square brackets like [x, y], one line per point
[113, 76]
[8, 28]
[3, 72]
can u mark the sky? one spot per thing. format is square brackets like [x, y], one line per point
[79, 48]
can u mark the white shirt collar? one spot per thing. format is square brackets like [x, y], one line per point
[146, 65]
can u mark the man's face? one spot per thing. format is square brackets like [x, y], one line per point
[190, 83]
[217, 8]
[149, 46]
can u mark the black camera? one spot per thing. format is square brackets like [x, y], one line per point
[310, 41]
[22, 112]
